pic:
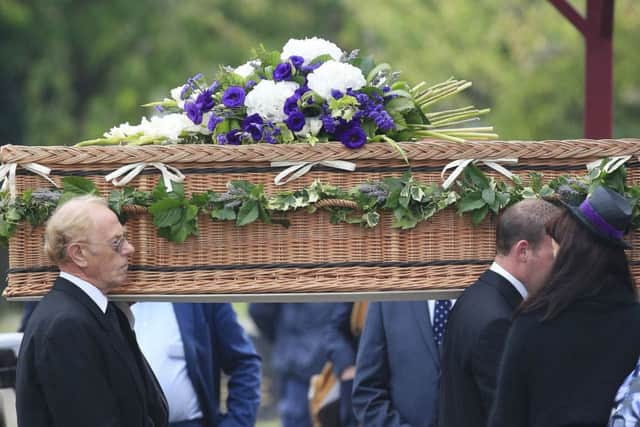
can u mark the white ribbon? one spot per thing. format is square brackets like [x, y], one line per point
[460, 165]
[613, 163]
[8, 175]
[169, 174]
[297, 169]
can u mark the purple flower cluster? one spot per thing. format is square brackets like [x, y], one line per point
[252, 129]
[372, 108]
[286, 70]
[204, 101]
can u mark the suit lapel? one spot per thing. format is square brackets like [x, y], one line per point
[421, 313]
[120, 347]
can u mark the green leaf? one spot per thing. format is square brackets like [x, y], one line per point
[417, 193]
[471, 202]
[489, 196]
[78, 186]
[478, 215]
[399, 105]
[247, 213]
[166, 212]
[223, 214]
[477, 177]
[380, 68]
[371, 218]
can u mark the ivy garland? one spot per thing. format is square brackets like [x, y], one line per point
[176, 215]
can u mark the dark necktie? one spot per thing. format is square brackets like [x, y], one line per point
[440, 315]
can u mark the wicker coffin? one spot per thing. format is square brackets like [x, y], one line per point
[312, 255]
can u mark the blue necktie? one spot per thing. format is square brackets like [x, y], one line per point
[440, 315]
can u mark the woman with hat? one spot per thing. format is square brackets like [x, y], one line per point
[574, 342]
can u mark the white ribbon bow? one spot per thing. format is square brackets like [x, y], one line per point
[297, 169]
[8, 176]
[460, 165]
[169, 174]
[613, 163]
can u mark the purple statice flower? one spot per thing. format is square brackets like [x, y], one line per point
[386, 88]
[282, 72]
[250, 84]
[234, 137]
[352, 135]
[205, 101]
[291, 104]
[213, 122]
[269, 135]
[336, 94]
[253, 125]
[381, 118]
[233, 96]
[159, 109]
[297, 61]
[295, 121]
[221, 139]
[193, 112]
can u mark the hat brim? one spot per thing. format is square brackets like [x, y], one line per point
[575, 211]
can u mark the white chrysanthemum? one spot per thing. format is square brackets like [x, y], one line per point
[335, 75]
[310, 49]
[246, 69]
[169, 126]
[267, 99]
[312, 126]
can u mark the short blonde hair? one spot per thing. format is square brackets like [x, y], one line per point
[70, 221]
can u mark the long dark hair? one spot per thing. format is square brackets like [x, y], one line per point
[583, 265]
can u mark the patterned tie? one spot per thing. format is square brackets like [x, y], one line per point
[440, 315]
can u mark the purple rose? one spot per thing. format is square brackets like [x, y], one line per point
[233, 97]
[193, 112]
[352, 135]
[282, 72]
[291, 104]
[297, 61]
[234, 137]
[295, 121]
[213, 122]
[205, 101]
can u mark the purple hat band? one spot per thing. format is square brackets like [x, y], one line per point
[598, 222]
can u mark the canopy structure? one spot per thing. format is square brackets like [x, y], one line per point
[597, 29]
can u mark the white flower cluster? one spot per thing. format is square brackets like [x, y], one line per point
[335, 75]
[310, 49]
[169, 127]
[246, 69]
[267, 99]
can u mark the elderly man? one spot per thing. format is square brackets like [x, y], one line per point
[479, 323]
[79, 364]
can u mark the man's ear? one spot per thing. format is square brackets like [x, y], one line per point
[521, 250]
[77, 255]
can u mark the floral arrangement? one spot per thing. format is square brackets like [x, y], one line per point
[310, 91]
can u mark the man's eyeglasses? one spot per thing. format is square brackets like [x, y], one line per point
[116, 244]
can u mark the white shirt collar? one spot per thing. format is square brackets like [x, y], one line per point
[522, 290]
[94, 293]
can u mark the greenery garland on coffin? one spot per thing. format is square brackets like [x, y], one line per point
[176, 216]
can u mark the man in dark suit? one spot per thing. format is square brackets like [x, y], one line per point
[79, 363]
[398, 366]
[479, 323]
[189, 346]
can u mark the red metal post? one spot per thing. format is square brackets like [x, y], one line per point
[597, 29]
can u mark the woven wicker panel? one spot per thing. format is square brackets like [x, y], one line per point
[312, 255]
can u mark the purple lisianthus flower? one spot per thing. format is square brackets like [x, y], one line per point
[234, 137]
[213, 122]
[297, 61]
[336, 94]
[222, 139]
[295, 121]
[352, 136]
[250, 84]
[193, 112]
[233, 96]
[282, 72]
[291, 104]
[302, 90]
[253, 125]
[205, 101]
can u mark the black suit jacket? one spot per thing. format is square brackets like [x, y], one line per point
[476, 333]
[74, 369]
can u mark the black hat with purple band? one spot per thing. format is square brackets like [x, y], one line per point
[605, 213]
